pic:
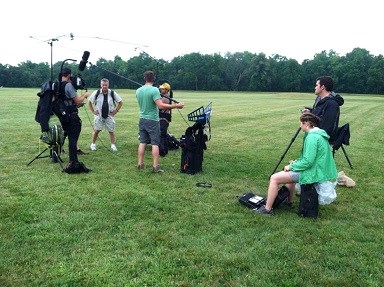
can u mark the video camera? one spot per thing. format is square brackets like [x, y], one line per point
[78, 82]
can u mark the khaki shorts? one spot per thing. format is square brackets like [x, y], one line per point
[100, 123]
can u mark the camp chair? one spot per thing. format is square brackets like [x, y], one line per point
[342, 139]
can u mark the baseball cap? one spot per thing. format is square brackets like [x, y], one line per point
[165, 86]
[66, 71]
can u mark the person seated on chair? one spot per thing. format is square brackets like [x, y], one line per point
[315, 164]
[327, 106]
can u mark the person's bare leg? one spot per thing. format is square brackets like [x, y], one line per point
[274, 184]
[140, 154]
[95, 134]
[155, 155]
[112, 137]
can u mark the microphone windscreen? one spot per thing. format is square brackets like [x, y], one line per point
[85, 56]
[82, 65]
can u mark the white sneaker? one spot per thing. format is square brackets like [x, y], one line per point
[93, 146]
[113, 147]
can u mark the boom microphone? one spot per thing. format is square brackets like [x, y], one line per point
[82, 65]
[86, 56]
[84, 61]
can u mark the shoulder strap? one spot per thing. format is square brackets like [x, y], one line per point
[97, 94]
[59, 89]
[113, 96]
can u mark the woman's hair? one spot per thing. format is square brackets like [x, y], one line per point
[313, 120]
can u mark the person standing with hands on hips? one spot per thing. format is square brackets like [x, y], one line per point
[102, 105]
[149, 100]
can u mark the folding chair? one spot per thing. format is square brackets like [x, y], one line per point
[342, 139]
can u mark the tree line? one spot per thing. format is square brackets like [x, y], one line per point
[356, 72]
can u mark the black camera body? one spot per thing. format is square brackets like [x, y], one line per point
[78, 82]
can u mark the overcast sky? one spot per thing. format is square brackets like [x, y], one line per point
[297, 29]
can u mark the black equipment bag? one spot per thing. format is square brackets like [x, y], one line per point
[282, 194]
[76, 167]
[251, 200]
[193, 146]
[255, 201]
[309, 201]
[172, 142]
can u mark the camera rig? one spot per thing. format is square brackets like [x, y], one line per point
[77, 81]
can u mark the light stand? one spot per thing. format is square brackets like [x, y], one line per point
[54, 151]
[50, 43]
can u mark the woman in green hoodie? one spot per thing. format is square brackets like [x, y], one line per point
[315, 164]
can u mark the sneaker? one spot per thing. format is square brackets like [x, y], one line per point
[157, 169]
[45, 138]
[263, 210]
[140, 166]
[113, 147]
[93, 147]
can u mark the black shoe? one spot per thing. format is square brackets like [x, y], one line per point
[80, 152]
[45, 138]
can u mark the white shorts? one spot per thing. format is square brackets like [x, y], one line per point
[99, 123]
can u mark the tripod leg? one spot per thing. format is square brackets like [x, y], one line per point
[59, 160]
[282, 157]
[346, 156]
[37, 156]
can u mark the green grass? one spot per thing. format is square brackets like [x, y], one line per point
[118, 226]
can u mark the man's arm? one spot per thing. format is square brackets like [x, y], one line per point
[80, 99]
[118, 107]
[164, 106]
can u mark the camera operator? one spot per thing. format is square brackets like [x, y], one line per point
[67, 111]
[327, 106]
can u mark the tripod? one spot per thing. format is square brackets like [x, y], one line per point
[285, 152]
[53, 153]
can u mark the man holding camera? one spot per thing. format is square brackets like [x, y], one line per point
[66, 109]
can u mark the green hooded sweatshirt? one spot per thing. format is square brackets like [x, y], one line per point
[316, 163]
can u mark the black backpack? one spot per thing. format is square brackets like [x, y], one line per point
[253, 201]
[112, 95]
[193, 146]
[309, 201]
[62, 106]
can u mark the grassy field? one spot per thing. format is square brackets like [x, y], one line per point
[118, 226]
